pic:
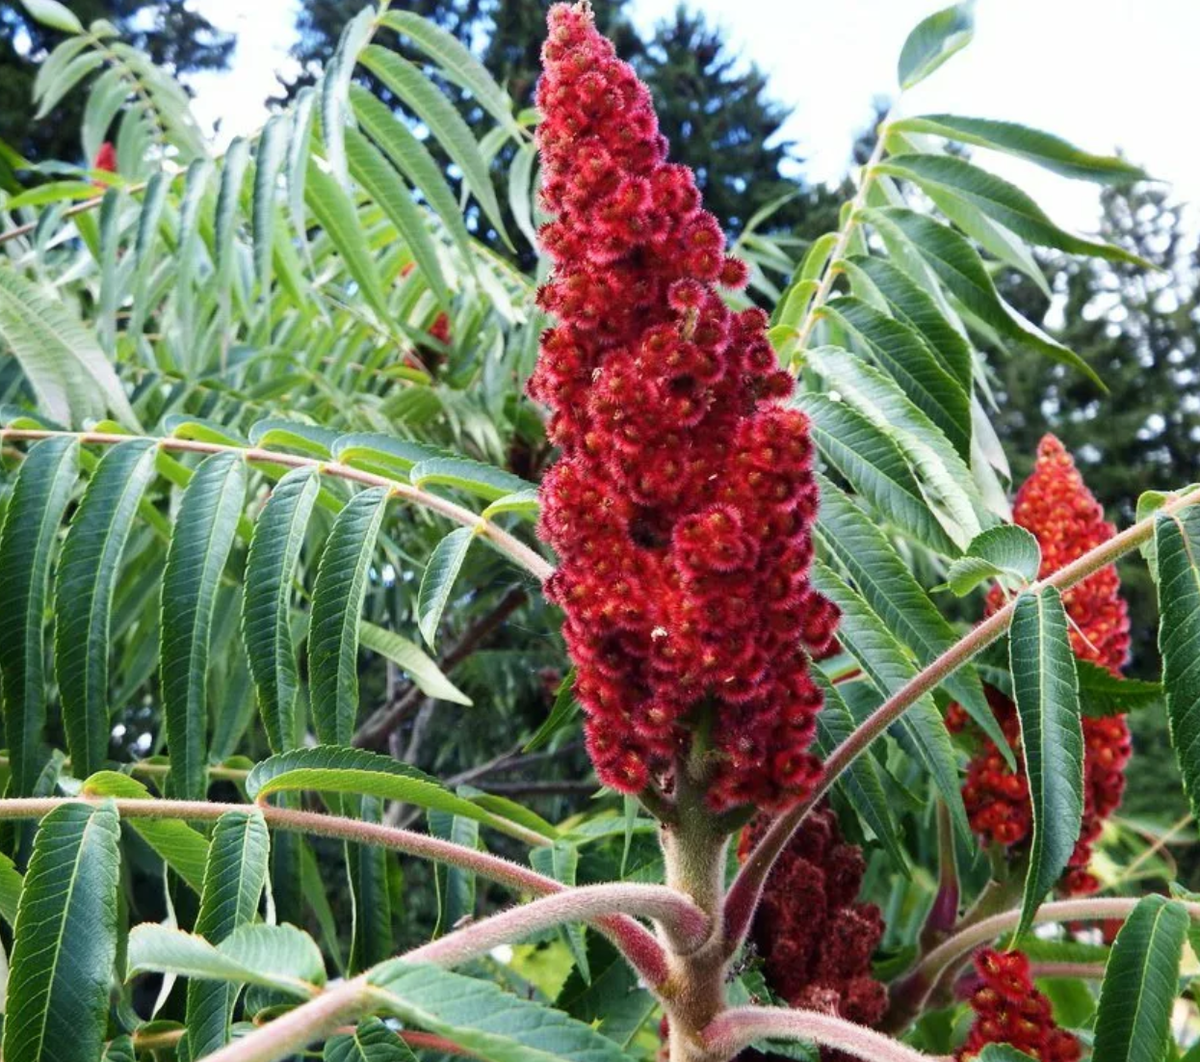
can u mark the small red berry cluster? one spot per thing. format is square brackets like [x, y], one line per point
[682, 502]
[1009, 1010]
[816, 940]
[1057, 507]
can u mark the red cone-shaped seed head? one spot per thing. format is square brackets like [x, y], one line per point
[814, 937]
[1009, 1010]
[1055, 505]
[682, 502]
[106, 158]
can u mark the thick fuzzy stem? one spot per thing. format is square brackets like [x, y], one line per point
[683, 924]
[746, 889]
[736, 1029]
[295, 1030]
[694, 848]
[1090, 910]
[318, 1017]
[634, 940]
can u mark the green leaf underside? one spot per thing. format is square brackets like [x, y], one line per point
[1133, 1022]
[957, 265]
[1045, 149]
[934, 40]
[903, 354]
[1046, 695]
[371, 1041]
[999, 200]
[921, 730]
[334, 769]
[281, 957]
[860, 783]
[1006, 552]
[65, 938]
[183, 848]
[887, 585]
[487, 1021]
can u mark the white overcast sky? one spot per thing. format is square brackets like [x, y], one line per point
[1103, 73]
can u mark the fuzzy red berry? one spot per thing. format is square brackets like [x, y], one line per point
[682, 503]
[815, 939]
[1009, 1010]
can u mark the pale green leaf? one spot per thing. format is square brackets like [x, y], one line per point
[412, 660]
[934, 40]
[1045, 149]
[1009, 553]
[437, 583]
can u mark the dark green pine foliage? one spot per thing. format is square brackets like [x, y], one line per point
[171, 32]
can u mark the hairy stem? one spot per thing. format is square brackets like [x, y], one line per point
[845, 232]
[632, 939]
[1089, 910]
[683, 923]
[747, 887]
[507, 544]
[736, 1029]
[290, 1034]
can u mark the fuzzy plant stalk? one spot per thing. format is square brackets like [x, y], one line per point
[682, 503]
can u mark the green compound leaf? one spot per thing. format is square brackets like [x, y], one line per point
[283, 958]
[266, 607]
[1008, 553]
[1177, 543]
[65, 941]
[1046, 695]
[445, 563]
[904, 355]
[233, 883]
[183, 848]
[447, 126]
[203, 536]
[958, 266]
[999, 200]
[1133, 1022]
[934, 40]
[337, 601]
[372, 1041]
[335, 769]
[87, 579]
[31, 522]
[491, 1023]
[1045, 149]
[921, 731]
